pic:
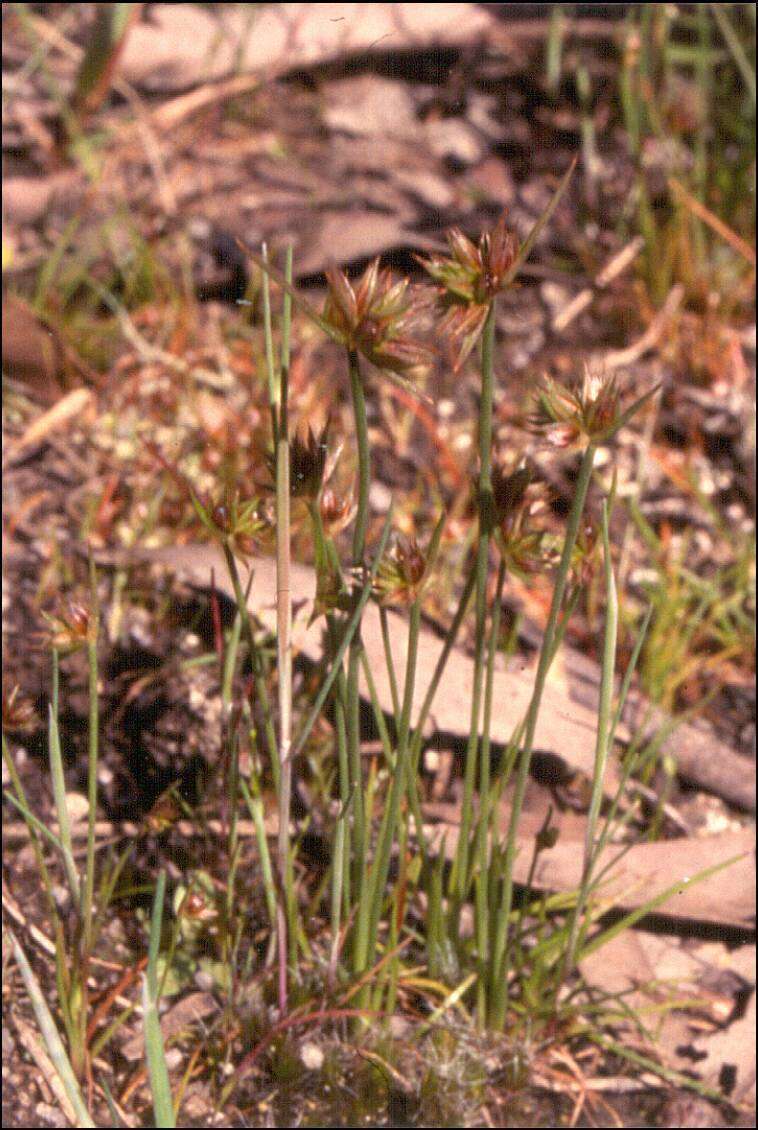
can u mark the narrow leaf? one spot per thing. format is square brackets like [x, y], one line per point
[294, 294]
[50, 1034]
[526, 247]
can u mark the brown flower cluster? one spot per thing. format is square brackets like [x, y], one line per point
[518, 499]
[337, 511]
[239, 523]
[402, 572]
[573, 417]
[71, 628]
[19, 716]
[587, 556]
[469, 279]
[374, 318]
[308, 463]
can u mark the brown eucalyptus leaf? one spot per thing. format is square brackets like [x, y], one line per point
[345, 236]
[193, 1009]
[651, 967]
[730, 1057]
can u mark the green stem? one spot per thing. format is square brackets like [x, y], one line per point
[340, 893]
[353, 665]
[346, 639]
[369, 910]
[459, 871]
[255, 807]
[59, 791]
[481, 908]
[602, 747]
[452, 635]
[364, 457]
[261, 691]
[280, 414]
[499, 972]
[23, 806]
[93, 745]
[384, 621]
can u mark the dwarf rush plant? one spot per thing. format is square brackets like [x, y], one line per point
[386, 910]
[373, 321]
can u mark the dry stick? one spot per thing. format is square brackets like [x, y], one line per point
[741, 246]
[617, 358]
[171, 113]
[153, 353]
[612, 269]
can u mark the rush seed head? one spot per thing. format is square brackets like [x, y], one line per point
[468, 279]
[71, 628]
[518, 500]
[588, 412]
[402, 572]
[374, 318]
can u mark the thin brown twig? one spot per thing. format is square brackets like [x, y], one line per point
[618, 358]
[736, 242]
[612, 269]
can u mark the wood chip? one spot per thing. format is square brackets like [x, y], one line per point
[195, 1007]
[71, 407]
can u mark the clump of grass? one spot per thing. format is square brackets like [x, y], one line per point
[682, 74]
[703, 628]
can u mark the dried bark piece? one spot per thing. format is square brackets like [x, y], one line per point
[568, 719]
[646, 871]
[182, 44]
[565, 728]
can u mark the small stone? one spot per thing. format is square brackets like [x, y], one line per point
[380, 498]
[104, 775]
[312, 1056]
[77, 807]
[173, 1058]
[204, 980]
[451, 137]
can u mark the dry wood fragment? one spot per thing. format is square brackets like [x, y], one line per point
[74, 406]
[649, 869]
[48, 1076]
[568, 719]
